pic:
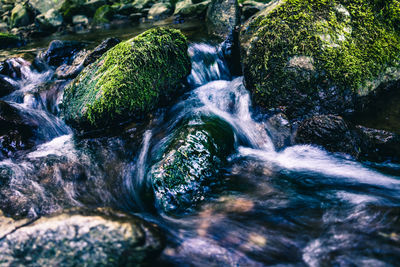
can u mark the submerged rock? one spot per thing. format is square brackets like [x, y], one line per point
[78, 237]
[191, 164]
[129, 80]
[314, 57]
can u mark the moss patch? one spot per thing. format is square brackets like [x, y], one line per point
[129, 80]
[351, 43]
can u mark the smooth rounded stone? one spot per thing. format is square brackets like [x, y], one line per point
[16, 131]
[97, 238]
[8, 40]
[61, 52]
[222, 17]
[49, 21]
[314, 58]
[128, 81]
[187, 8]
[190, 167]
[330, 132]
[80, 19]
[159, 11]
[20, 16]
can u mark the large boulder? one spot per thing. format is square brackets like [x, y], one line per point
[317, 57]
[20, 16]
[191, 164]
[222, 17]
[49, 21]
[129, 80]
[97, 238]
[159, 11]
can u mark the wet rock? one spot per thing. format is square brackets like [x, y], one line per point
[20, 16]
[100, 50]
[10, 40]
[61, 52]
[189, 8]
[16, 132]
[321, 63]
[336, 135]
[128, 81]
[222, 17]
[71, 71]
[102, 237]
[230, 49]
[280, 130]
[43, 6]
[330, 132]
[7, 86]
[378, 145]
[49, 21]
[159, 11]
[191, 164]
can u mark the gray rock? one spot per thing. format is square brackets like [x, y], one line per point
[222, 17]
[159, 11]
[98, 238]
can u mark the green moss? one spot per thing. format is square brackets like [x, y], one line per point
[103, 14]
[351, 43]
[129, 80]
[8, 40]
[71, 8]
[191, 164]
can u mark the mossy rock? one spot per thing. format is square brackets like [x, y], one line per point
[102, 237]
[103, 14]
[71, 8]
[129, 80]
[312, 57]
[191, 164]
[20, 16]
[8, 40]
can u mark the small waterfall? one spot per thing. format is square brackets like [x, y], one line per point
[206, 65]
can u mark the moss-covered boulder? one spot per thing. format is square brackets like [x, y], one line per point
[312, 57]
[81, 238]
[191, 164]
[20, 16]
[8, 40]
[129, 80]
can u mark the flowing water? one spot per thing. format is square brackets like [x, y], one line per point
[297, 206]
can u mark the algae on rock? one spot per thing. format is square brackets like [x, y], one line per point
[320, 56]
[129, 80]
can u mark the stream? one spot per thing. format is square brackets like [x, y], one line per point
[296, 206]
